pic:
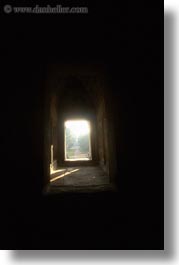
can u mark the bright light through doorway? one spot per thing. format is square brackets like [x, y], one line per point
[77, 140]
[79, 127]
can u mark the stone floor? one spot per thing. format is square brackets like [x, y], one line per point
[79, 176]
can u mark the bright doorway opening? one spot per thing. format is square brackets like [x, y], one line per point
[77, 140]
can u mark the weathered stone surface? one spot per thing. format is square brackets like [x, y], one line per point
[79, 176]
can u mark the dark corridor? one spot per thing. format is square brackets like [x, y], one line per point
[105, 58]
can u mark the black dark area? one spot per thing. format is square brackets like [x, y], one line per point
[128, 40]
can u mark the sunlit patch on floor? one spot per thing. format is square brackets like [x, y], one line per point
[63, 175]
[79, 176]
